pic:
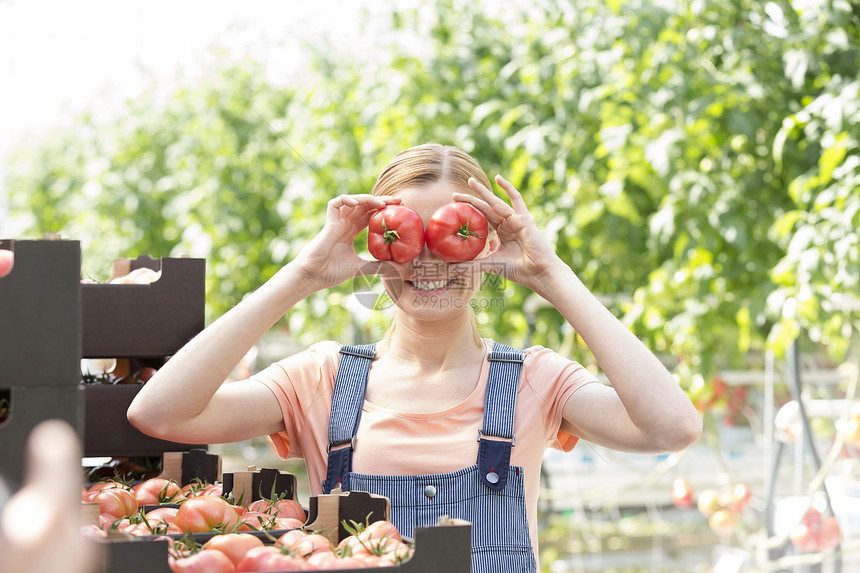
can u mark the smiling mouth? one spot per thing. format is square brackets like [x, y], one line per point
[430, 286]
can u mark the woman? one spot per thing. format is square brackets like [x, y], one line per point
[435, 417]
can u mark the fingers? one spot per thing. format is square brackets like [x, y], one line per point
[361, 205]
[53, 452]
[363, 200]
[514, 195]
[37, 525]
[493, 208]
[498, 206]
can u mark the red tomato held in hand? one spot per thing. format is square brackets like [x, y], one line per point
[395, 233]
[456, 232]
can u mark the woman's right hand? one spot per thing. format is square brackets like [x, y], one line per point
[330, 258]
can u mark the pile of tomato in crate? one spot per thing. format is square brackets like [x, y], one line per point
[255, 524]
[155, 506]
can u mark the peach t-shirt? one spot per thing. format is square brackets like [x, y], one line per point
[391, 442]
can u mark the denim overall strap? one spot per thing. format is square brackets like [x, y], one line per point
[347, 399]
[494, 455]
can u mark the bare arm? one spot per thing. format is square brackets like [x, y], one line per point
[186, 401]
[644, 410]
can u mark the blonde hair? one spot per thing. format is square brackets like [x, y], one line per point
[425, 164]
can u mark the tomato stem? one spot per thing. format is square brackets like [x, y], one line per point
[390, 235]
[465, 232]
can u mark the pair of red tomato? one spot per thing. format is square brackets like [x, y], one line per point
[456, 232]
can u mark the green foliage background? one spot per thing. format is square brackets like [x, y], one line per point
[695, 162]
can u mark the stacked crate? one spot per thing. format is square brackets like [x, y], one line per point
[49, 321]
[143, 323]
[40, 345]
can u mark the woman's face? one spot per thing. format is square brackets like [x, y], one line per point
[428, 286]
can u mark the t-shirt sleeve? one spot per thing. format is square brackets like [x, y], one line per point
[297, 382]
[554, 379]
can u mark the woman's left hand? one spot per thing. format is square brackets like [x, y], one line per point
[525, 255]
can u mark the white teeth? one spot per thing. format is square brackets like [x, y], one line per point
[430, 285]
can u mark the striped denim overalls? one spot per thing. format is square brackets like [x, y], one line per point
[489, 494]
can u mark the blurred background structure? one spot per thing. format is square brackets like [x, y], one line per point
[696, 162]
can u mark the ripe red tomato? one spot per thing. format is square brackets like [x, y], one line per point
[741, 495]
[95, 488]
[214, 490]
[115, 501]
[804, 537]
[138, 529]
[289, 509]
[156, 491]
[814, 534]
[233, 545]
[708, 502]
[197, 489]
[351, 545]
[205, 513]
[382, 529]
[146, 373]
[395, 233]
[167, 514]
[7, 261]
[456, 232]
[162, 519]
[829, 535]
[682, 494]
[288, 522]
[270, 558]
[325, 561]
[311, 544]
[204, 561]
[290, 537]
[398, 552]
[723, 522]
[93, 531]
[285, 510]
[256, 521]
